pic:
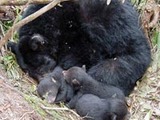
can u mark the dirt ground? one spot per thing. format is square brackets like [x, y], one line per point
[19, 99]
[12, 104]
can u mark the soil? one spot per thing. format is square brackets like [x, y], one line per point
[12, 104]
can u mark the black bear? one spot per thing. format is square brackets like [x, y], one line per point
[91, 107]
[38, 64]
[53, 87]
[106, 38]
[82, 83]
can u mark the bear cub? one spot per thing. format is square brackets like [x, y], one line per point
[83, 83]
[54, 88]
[94, 100]
[91, 107]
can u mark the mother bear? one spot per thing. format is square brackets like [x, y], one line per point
[108, 39]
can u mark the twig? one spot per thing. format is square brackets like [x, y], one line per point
[23, 2]
[65, 109]
[1, 77]
[156, 11]
[28, 19]
[29, 112]
[2, 33]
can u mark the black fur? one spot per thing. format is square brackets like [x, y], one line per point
[37, 65]
[82, 83]
[106, 38]
[91, 107]
[53, 87]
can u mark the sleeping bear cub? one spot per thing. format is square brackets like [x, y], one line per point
[93, 100]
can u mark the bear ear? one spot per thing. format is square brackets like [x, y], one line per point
[53, 80]
[64, 72]
[84, 67]
[75, 82]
